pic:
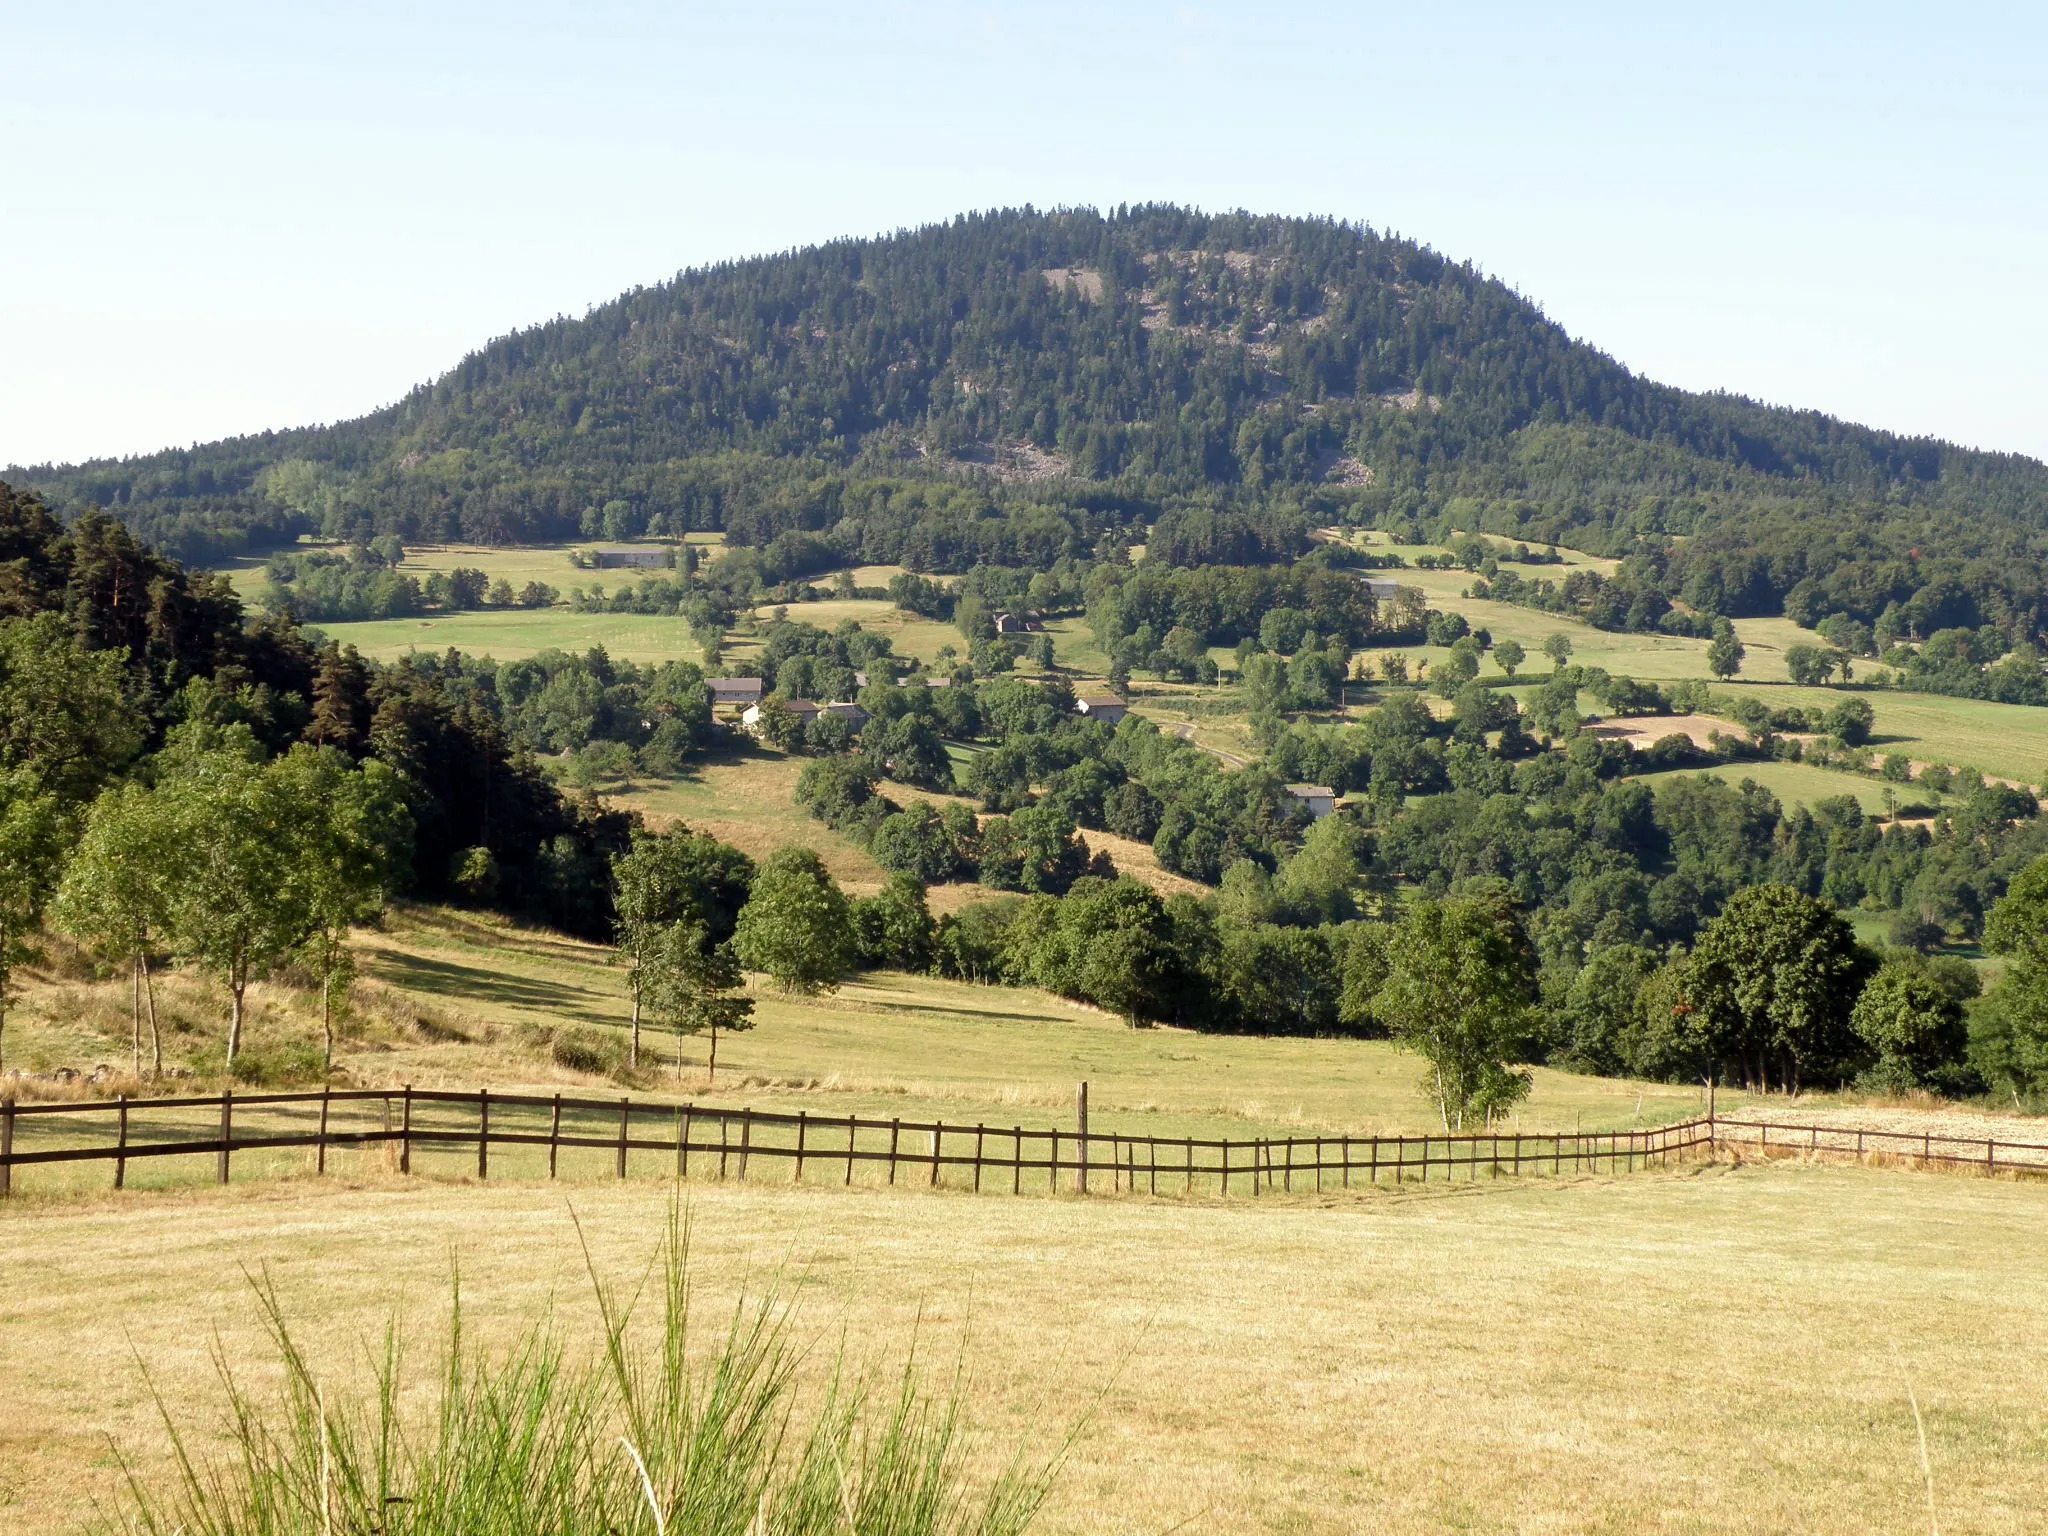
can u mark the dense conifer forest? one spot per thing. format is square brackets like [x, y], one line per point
[1013, 387]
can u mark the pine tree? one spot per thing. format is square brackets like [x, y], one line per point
[341, 701]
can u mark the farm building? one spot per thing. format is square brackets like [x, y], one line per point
[803, 709]
[648, 559]
[1319, 798]
[1101, 706]
[1382, 588]
[735, 690]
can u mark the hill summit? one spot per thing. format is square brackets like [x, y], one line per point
[1017, 383]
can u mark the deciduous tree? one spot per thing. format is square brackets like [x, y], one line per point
[1771, 984]
[796, 925]
[117, 898]
[1460, 988]
[235, 837]
[693, 984]
[668, 879]
[1725, 651]
[353, 844]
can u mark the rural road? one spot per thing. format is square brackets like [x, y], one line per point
[1187, 734]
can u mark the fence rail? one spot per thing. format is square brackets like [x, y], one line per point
[1929, 1147]
[410, 1127]
[422, 1130]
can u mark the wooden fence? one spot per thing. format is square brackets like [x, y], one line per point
[1930, 1148]
[463, 1134]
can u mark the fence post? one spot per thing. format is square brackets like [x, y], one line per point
[405, 1132]
[483, 1134]
[554, 1135]
[1052, 1163]
[121, 1147]
[980, 1131]
[895, 1135]
[683, 1143]
[1190, 1189]
[852, 1130]
[1017, 1162]
[1990, 1156]
[625, 1110]
[938, 1131]
[746, 1140]
[227, 1129]
[326, 1097]
[1081, 1158]
[6, 1148]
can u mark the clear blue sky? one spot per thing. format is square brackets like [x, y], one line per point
[224, 217]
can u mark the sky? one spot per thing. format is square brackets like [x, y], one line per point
[221, 218]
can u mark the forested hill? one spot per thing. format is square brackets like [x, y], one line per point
[1017, 385]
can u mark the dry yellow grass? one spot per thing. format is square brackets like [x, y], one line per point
[1707, 1350]
[750, 802]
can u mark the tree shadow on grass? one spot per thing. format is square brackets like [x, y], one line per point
[469, 983]
[451, 924]
[956, 1012]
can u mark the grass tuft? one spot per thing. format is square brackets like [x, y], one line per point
[644, 1437]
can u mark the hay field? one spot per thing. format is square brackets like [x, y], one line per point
[910, 634]
[1798, 784]
[516, 563]
[509, 634]
[2007, 740]
[1704, 1350]
[750, 802]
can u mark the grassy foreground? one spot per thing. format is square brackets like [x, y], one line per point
[1708, 1350]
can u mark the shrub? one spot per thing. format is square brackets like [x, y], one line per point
[581, 1048]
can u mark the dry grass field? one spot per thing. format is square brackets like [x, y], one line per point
[1715, 1349]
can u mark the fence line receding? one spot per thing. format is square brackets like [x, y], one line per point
[499, 1135]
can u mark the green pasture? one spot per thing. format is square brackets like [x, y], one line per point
[510, 633]
[2004, 740]
[1801, 784]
